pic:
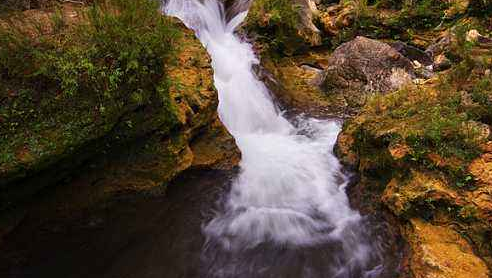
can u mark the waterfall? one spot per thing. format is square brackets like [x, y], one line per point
[290, 190]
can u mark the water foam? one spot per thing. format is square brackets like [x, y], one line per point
[291, 190]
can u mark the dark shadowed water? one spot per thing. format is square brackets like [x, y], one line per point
[150, 237]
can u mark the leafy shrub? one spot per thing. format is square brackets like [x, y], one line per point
[422, 14]
[119, 49]
[123, 45]
[482, 94]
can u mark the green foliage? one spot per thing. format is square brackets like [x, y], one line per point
[444, 129]
[399, 24]
[422, 14]
[438, 126]
[446, 134]
[482, 94]
[276, 22]
[461, 48]
[360, 8]
[388, 4]
[80, 79]
[121, 49]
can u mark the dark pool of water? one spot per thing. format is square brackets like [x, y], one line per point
[150, 237]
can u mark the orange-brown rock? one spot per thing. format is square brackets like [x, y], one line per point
[147, 162]
[481, 197]
[400, 195]
[440, 252]
[336, 17]
[399, 151]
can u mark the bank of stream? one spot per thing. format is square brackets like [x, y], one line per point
[285, 213]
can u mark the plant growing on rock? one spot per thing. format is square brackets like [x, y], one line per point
[62, 84]
[277, 19]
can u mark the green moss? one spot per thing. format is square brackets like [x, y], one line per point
[399, 23]
[75, 85]
[441, 131]
[276, 23]
[421, 14]
[482, 94]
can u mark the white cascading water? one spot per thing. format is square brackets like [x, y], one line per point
[291, 190]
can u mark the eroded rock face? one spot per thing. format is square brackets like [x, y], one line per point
[481, 169]
[137, 146]
[285, 27]
[234, 7]
[366, 65]
[201, 142]
[400, 196]
[295, 83]
[335, 18]
[307, 29]
[440, 252]
[441, 199]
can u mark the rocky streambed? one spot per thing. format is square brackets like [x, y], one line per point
[412, 136]
[416, 138]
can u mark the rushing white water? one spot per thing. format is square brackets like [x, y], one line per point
[291, 189]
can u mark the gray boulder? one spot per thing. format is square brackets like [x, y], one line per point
[366, 65]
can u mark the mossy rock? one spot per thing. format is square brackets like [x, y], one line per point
[50, 134]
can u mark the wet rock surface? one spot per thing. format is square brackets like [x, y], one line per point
[440, 204]
[444, 215]
[149, 147]
[295, 83]
[139, 154]
[438, 201]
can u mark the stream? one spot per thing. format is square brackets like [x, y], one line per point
[290, 194]
[285, 214]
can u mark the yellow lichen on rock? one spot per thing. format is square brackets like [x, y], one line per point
[399, 151]
[399, 195]
[337, 17]
[215, 149]
[481, 169]
[202, 141]
[440, 252]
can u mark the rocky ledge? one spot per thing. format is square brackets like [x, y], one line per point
[134, 146]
